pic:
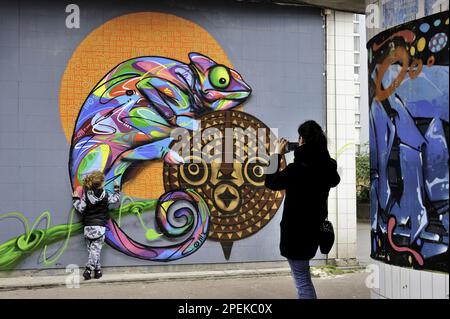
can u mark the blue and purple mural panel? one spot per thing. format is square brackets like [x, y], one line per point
[409, 122]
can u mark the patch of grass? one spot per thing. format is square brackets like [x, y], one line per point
[333, 270]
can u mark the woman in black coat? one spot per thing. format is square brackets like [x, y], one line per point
[307, 182]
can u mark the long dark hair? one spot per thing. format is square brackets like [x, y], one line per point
[313, 135]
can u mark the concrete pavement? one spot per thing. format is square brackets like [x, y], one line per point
[275, 286]
[363, 242]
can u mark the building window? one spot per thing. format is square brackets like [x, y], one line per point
[357, 119]
[357, 90]
[357, 58]
[356, 27]
[356, 72]
[356, 43]
[357, 104]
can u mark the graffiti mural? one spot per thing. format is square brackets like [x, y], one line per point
[240, 205]
[131, 81]
[409, 137]
[395, 12]
[129, 116]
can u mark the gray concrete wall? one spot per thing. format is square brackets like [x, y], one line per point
[278, 50]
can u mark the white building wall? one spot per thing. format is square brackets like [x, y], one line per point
[341, 131]
[393, 282]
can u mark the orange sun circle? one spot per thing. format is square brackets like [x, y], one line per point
[120, 39]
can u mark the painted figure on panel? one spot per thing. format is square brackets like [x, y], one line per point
[409, 137]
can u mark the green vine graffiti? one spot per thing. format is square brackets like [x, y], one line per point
[18, 248]
[150, 233]
[343, 148]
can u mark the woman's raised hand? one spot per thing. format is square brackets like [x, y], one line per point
[281, 146]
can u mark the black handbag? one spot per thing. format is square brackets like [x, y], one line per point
[326, 237]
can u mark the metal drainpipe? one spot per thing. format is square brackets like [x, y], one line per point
[325, 77]
[325, 21]
[335, 132]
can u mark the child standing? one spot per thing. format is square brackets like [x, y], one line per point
[93, 205]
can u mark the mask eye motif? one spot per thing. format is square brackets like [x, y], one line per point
[195, 173]
[219, 76]
[254, 171]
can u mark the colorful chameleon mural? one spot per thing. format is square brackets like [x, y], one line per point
[128, 118]
[409, 137]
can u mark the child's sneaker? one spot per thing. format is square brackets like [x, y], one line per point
[97, 274]
[87, 274]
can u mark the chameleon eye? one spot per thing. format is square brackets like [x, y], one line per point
[219, 77]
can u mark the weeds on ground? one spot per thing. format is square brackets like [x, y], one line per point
[329, 270]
